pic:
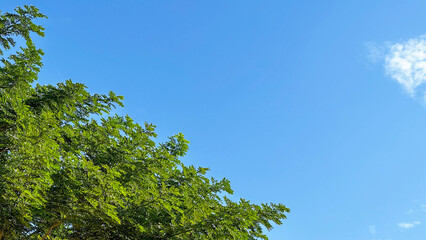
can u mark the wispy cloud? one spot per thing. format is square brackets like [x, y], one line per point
[404, 61]
[408, 225]
[375, 52]
[409, 211]
[372, 230]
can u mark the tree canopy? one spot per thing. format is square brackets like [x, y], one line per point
[69, 169]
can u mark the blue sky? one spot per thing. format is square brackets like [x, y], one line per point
[315, 104]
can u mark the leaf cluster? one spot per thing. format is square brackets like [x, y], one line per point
[65, 175]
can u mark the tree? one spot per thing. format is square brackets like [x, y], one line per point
[65, 175]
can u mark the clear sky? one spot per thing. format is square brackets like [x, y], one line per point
[315, 104]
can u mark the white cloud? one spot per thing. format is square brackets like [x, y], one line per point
[406, 63]
[372, 230]
[408, 225]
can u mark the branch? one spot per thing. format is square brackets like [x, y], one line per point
[50, 229]
[2, 232]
